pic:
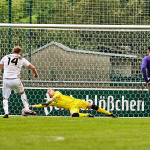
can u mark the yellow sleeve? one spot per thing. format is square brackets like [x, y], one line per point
[57, 94]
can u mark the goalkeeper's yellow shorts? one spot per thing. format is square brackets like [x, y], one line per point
[75, 106]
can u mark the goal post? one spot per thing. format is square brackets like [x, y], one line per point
[98, 63]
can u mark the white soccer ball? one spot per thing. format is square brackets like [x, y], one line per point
[23, 112]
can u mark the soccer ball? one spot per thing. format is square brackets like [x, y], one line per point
[26, 113]
[23, 112]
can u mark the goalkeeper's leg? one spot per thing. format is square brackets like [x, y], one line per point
[75, 113]
[101, 110]
[85, 115]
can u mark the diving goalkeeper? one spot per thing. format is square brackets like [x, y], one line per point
[73, 105]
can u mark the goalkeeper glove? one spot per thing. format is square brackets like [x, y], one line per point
[46, 104]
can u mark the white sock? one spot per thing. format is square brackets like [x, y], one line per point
[25, 101]
[5, 106]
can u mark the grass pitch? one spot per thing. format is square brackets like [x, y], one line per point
[66, 133]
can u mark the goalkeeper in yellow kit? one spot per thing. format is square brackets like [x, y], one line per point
[73, 105]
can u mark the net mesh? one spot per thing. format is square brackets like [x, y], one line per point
[101, 66]
[80, 58]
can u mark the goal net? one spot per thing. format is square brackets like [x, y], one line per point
[97, 63]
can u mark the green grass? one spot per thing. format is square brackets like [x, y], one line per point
[40, 133]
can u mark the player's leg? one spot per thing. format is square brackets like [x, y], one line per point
[6, 94]
[101, 110]
[24, 100]
[26, 109]
[76, 107]
[85, 115]
[18, 88]
[75, 113]
[83, 104]
[5, 107]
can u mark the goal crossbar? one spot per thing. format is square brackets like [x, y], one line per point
[75, 26]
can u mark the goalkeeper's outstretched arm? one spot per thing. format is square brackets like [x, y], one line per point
[36, 106]
[43, 104]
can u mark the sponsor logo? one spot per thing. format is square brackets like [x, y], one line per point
[110, 103]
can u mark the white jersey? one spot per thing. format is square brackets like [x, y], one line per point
[12, 65]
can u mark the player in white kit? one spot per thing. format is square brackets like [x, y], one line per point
[12, 64]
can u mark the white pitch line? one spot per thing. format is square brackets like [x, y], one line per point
[49, 138]
[59, 138]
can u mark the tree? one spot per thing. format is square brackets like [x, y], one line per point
[3, 11]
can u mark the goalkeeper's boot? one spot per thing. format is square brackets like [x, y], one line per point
[5, 116]
[112, 115]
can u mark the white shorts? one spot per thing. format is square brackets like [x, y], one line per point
[11, 84]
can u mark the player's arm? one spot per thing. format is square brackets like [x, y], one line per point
[48, 103]
[43, 104]
[1, 66]
[56, 95]
[29, 65]
[144, 66]
[34, 70]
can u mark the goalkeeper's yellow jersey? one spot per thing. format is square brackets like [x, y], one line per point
[63, 101]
